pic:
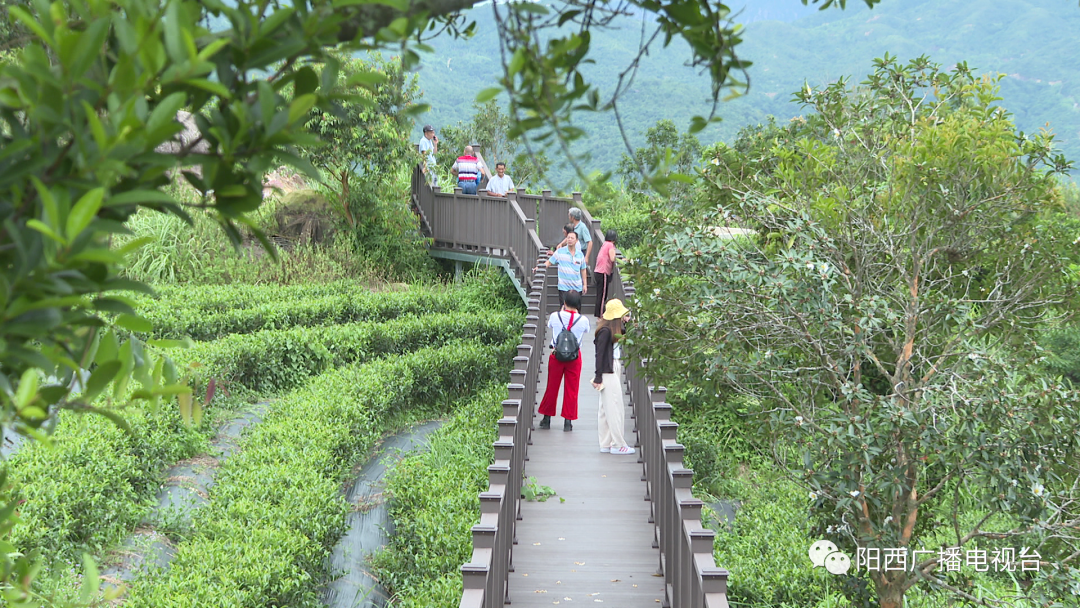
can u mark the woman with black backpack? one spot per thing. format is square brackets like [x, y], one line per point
[568, 327]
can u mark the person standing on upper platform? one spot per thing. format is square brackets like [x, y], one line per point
[501, 184]
[429, 147]
[467, 169]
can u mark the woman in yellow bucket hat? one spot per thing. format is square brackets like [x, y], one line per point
[608, 379]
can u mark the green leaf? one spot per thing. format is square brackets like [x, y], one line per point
[100, 378]
[113, 416]
[133, 323]
[174, 41]
[165, 111]
[300, 107]
[366, 77]
[212, 49]
[90, 47]
[43, 229]
[32, 24]
[516, 62]
[184, 401]
[212, 87]
[488, 94]
[102, 256]
[531, 7]
[28, 385]
[137, 197]
[84, 212]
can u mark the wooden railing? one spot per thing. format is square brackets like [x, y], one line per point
[512, 228]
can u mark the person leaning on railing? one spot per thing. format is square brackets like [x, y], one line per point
[605, 269]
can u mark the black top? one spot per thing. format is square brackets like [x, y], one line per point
[605, 353]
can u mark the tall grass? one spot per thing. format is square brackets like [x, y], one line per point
[178, 253]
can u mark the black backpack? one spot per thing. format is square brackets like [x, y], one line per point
[566, 344]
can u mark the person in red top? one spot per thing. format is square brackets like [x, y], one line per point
[468, 169]
[605, 268]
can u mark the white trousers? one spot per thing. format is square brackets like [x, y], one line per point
[611, 415]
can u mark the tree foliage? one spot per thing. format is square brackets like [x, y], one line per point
[906, 244]
[668, 152]
[364, 132]
[490, 127]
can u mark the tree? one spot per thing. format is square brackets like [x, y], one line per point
[89, 102]
[667, 152]
[907, 244]
[364, 133]
[490, 127]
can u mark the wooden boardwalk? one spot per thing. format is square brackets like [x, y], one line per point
[597, 546]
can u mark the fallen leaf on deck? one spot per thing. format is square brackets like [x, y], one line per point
[580, 563]
[562, 539]
[540, 591]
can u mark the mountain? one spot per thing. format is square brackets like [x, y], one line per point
[788, 43]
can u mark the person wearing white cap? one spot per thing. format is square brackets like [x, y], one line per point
[608, 379]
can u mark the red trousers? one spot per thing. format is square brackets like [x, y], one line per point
[570, 374]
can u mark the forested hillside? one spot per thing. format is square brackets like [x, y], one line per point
[1031, 41]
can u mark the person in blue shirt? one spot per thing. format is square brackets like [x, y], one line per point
[572, 267]
[579, 228]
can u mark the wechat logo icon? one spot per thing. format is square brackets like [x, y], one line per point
[824, 554]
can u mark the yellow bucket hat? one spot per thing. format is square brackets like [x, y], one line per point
[614, 310]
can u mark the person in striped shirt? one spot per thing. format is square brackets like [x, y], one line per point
[467, 169]
[572, 268]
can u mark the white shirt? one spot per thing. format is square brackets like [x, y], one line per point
[561, 319]
[501, 185]
[426, 145]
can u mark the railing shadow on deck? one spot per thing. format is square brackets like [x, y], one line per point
[513, 227]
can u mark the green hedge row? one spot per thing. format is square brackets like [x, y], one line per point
[179, 321]
[97, 483]
[435, 504]
[277, 507]
[215, 298]
[268, 361]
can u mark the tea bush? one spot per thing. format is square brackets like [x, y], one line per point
[434, 504]
[94, 486]
[172, 321]
[277, 507]
[268, 361]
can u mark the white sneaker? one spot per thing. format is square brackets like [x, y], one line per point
[605, 450]
[623, 450]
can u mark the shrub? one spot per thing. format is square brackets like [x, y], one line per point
[332, 309]
[765, 548]
[435, 503]
[1063, 352]
[93, 486]
[277, 507]
[275, 359]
